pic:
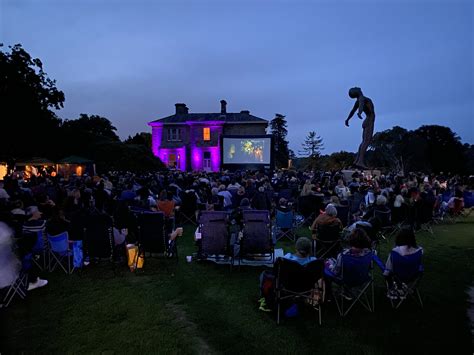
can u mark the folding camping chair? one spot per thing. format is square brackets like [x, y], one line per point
[296, 281]
[284, 227]
[60, 253]
[40, 252]
[152, 238]
[188, 208]
[214, 242]
[327, 242]
[257, 237]
[402, 282]
[355, 283]
[308, 207]
[343, 214]
[98, 237]
[386, 227]
[20, 285]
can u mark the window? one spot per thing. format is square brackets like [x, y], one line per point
[206, 132]
[174, 134]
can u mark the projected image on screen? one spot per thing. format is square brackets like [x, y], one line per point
[247, 150]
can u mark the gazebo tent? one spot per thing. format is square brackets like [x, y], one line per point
[75, 165]
[34, 165]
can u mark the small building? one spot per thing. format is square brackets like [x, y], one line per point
[35, 167]
[192, 141]
[74, 165]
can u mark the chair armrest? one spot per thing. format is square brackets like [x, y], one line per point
[379, 262]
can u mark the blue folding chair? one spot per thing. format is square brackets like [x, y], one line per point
[284, 227]
[355, 283]
[404, 277]
[60, 253]
[20, 285]
[40, 252]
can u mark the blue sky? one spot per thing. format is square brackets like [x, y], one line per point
[131, 61]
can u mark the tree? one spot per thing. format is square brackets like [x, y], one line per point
[443, 149]
[338, 161]
[312, 147]
[28, 97]
[142, 138]
[96, 125]
[280, 144]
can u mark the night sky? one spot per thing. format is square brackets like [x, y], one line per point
[131, 61]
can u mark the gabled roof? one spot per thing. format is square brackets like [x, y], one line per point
[230, 117]
[74, 159]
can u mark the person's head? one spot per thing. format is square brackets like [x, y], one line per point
[381, 200]
[303, 247]
[359, 239]
[355, 92]
[245, 202]
[283, 202]
[33, 212]
[406, 236]
[331, 210]
[221, 187]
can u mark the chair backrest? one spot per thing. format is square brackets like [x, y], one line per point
[343, 214]
[356, 269]
[214, 232]
[39, 245]
[98, 237]
[284, 219]
[59, 243]
[151, 235]
[408, 267]
[295, 277]
[257, 232]
[385, 217]
[188, 202]
[329, 232]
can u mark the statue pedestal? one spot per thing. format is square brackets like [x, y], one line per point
[366, 173]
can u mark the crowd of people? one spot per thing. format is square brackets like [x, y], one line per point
[55, 204]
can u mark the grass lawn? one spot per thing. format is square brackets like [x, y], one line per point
[204, 308]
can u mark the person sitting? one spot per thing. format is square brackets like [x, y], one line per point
[302, 256]
[166, 204]
[260, 200]
[227, 197]
[405, 244]
[359, 245]
[328, 218]
[283, 205]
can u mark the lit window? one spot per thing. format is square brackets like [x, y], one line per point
[174, 134]
[206, 133]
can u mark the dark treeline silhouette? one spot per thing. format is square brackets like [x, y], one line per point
[31, 128]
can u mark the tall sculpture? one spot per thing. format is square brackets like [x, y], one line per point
[365, 105]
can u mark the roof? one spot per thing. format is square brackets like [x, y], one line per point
[35, 161]
[230, 117]
[74, 159]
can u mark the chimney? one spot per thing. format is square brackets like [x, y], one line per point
[181, 109]
[245, 112]
[223, 107]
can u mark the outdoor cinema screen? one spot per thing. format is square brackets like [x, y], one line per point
[246, 150]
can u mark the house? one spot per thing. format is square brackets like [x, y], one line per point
[192, 141]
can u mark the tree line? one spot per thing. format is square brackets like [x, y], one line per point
[429, 148]
[31, 127]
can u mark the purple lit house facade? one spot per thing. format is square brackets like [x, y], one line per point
[192, 141]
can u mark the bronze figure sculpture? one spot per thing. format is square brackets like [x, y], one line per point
[362, 104]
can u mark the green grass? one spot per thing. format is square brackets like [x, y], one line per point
[204, 308]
